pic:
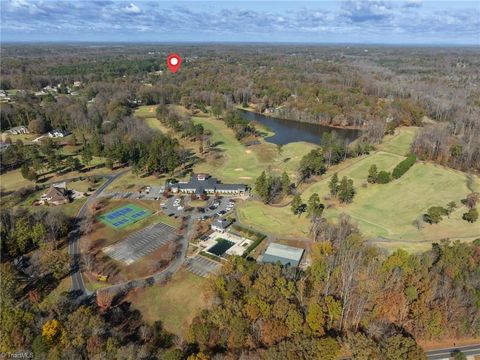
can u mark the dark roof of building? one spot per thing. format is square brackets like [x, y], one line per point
[209, 183]
[221, 223]
[56, 194]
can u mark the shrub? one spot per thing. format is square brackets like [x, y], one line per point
[383, 177]
[471, 216]
[434, 214]
[403, 166]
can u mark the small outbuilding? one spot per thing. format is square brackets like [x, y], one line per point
[221, 225]
[286, 255]
[56, 133]
[17, 130]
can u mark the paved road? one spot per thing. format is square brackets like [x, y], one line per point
[467, 350]
[77, 280]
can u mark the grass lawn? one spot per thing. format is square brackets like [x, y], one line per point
[175, 303]
[385, 213]
[147, 112]
[273, 220]
[13, 180]
[399, 143]
[132, 182]
[198, 203]
[232, 161]
[71, 209]
[239, 163]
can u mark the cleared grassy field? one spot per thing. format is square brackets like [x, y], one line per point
[175, 303]
[272, 220]
[385, 213]
[147, 112]
[132, 182]
[399, 143]
[13, 180]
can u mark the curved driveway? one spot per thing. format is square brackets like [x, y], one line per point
[78, 284]
[77, 280]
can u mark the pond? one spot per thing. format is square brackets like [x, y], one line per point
[287, 131]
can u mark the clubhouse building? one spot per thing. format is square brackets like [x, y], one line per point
[205, 184]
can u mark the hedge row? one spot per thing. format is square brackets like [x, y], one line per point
[259, 237]
[403, 166]
[210, 256]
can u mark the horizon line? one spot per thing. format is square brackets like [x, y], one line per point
[233, 42]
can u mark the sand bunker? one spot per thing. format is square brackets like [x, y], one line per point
[245, 177]
[248, 151]
[239, 169]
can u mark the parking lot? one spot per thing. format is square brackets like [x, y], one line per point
[174, 206]
[202, 266]
[150, 193]
[141, 243]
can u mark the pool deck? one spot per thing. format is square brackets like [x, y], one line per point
[238, 248]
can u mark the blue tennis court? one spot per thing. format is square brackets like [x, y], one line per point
[124, 216]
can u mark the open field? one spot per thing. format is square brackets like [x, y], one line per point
[231, 160]
[385, 213]
[238, 162]
[147, 112]
[13, 180]
[399, 143]
[175, 303]
[272, 220]
[133, 182]
[69, 209]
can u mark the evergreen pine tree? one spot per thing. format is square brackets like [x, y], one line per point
[372, 174]
[333, 185]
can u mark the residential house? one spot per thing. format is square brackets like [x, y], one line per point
[57, 194]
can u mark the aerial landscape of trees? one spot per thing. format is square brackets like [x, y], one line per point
[354, 298]
[373, 303]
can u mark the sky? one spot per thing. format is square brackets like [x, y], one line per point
[419, 22]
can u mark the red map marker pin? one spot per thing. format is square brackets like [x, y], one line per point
[173, 62]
